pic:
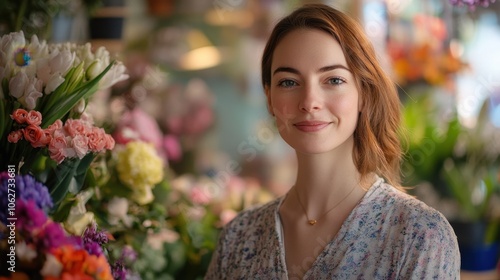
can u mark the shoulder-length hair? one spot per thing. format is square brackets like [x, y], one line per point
[377, 148]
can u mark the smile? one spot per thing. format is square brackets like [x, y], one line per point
[311, 126]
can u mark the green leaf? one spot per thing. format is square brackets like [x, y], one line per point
[62, 107]
[62, 212]
[82, 169]
[60, 178]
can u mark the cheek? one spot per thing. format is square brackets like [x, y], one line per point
[283, 107]
[344, 106]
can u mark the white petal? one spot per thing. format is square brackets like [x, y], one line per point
[61, 62]
[114, 75]
[43, 70]
[18, 84]
[95, 69]
[30, 97]
[54, 82]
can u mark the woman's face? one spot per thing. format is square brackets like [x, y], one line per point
[313, 93]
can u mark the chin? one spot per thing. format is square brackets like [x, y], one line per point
[309, 147]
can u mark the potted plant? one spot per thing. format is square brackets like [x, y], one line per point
[462, 165]
[472, 177]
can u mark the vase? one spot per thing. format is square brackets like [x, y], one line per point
[477, 253]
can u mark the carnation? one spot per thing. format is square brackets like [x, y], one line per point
[140, 167]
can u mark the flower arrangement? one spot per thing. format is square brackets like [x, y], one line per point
[35, 246]
[44, 90]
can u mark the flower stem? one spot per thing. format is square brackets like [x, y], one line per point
[20, 15]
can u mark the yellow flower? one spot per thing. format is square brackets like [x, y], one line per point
[140, 167]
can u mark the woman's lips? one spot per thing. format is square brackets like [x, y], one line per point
[311, 126]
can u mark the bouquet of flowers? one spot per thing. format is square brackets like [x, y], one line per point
[44, 90]
[35, 247]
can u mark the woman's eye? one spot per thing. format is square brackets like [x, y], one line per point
[336, 81]
[287, 83]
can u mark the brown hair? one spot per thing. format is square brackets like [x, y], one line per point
[376, 143]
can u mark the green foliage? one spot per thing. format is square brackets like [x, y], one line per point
[456, 160]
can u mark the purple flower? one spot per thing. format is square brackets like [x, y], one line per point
[29, 216]
[93, 248]
[25, 188]
[119, 270]
[128, 254]
[91, 234]
[53, 236]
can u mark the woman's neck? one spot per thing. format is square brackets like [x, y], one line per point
[324, 179]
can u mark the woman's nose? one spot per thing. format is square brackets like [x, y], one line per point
[310, 99]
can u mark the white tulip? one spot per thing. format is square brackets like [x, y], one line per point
[54, 82]
[9, 44]
[32, 92]
[114, 75]
[18, 84]
[95, 69]
[61, 61]
[43, 70]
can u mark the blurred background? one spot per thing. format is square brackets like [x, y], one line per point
[194, 92]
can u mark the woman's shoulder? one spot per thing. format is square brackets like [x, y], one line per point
[254, 218]
[404, 210]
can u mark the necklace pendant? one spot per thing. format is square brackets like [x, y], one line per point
[312, 222]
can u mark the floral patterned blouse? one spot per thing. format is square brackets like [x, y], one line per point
[388, 235]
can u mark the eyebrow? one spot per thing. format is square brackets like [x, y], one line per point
[322, 69]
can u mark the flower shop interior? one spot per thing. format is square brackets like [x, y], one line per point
[132, 131]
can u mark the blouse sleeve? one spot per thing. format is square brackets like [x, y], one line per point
[215, 269]
[433, 251]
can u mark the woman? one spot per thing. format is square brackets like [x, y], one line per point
[340, 112]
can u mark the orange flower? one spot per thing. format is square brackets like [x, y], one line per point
[78, 264]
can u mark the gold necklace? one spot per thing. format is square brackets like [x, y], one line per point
[312, 222]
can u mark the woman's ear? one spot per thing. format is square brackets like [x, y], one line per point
[268, 98]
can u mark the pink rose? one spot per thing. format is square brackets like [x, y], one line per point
[33, 134]
[19, 115]
[97, 139]
[15, 136]
[34, 118]
[57, 148]
[80, 145]
[75, 127]
[58, 124]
